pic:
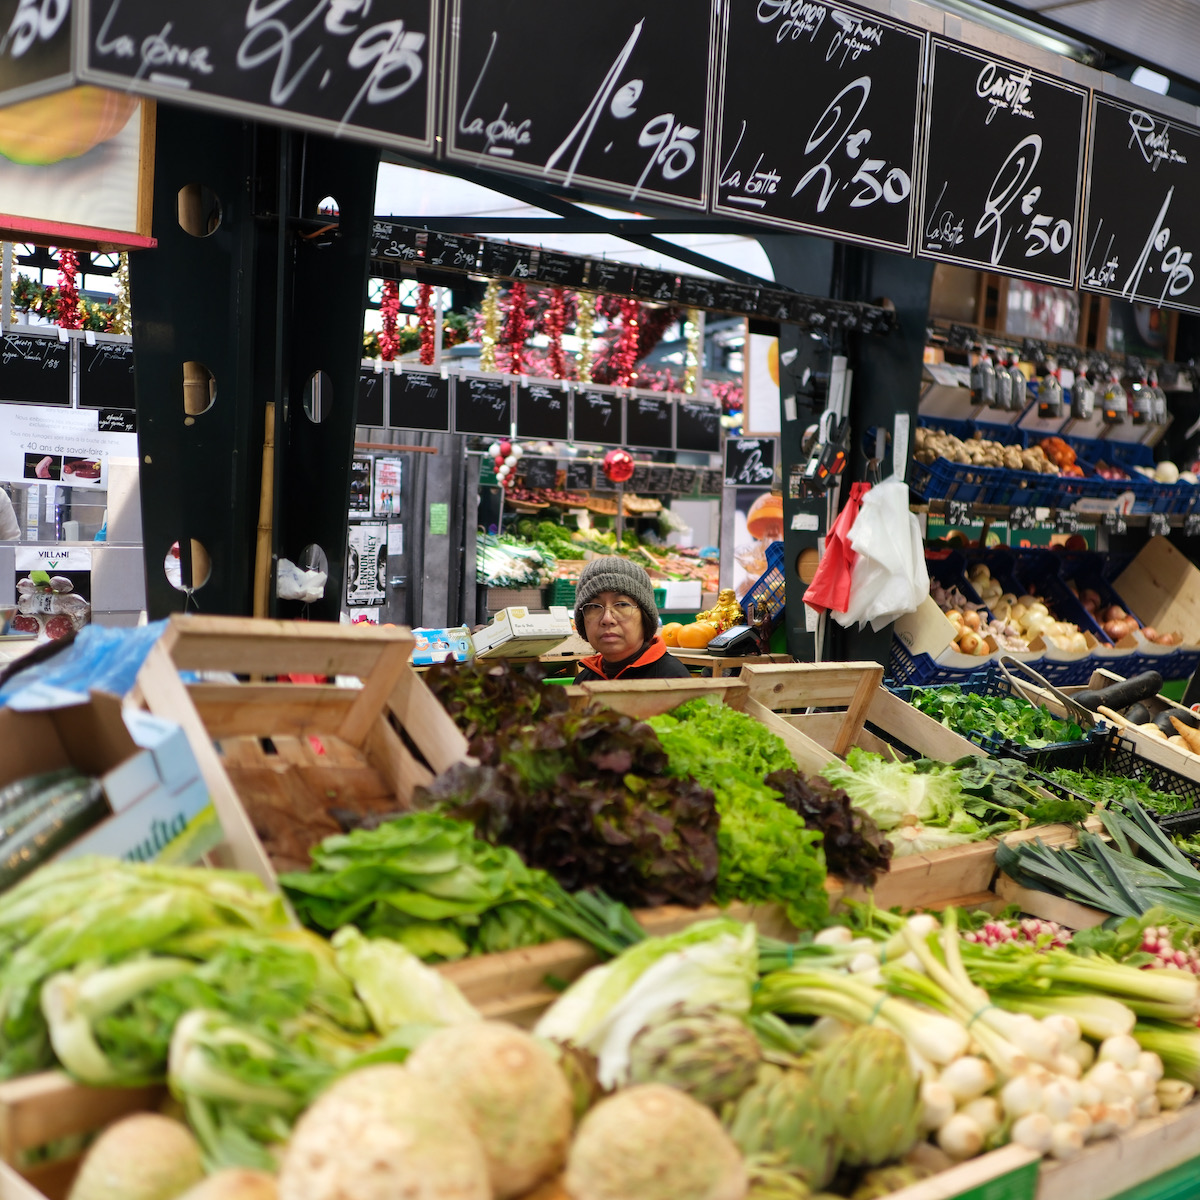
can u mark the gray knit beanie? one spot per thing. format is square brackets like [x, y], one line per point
[613, 574]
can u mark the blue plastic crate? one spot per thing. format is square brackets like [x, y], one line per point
[913, 670]
[944, 480]
[769, 587]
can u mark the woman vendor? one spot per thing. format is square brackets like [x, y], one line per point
[615, 612]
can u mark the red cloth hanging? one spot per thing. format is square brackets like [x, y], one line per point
[830, 588]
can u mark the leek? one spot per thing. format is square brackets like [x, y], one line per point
[1179, 1049]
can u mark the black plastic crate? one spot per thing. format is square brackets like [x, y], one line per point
[1123, 759]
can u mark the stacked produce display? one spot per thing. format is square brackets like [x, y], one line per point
[863, 1052]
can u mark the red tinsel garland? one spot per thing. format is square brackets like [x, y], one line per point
[624, 358]
[425, 320]
[389, 308]
[554, 323]
[516, 328]
[68, 293]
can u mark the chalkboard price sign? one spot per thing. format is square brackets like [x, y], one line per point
[560, 270]
[555, 91]
[661, 480]
[35, 370]
[447, 252]
[542, 413]
[539, 472]
[36, 49]
[483, 406]
[370, 398]
[639, 481]
[656, 286]
[842, 161]
[581, 476]
[711, 482]
[749, 462]
[612, 277]
[683, 480]
[1001, 186]
[352, 71]
[506, 261]
[1142, 236]
[698, 292]
[598, 417]
[698, 427]
[648, 421]
[419, 400]
[106, 375]
[392, 246]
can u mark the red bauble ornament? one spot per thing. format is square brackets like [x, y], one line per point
[618, 466]
[505, 449]
[499, 460]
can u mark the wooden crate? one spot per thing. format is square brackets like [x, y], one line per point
[300, 749]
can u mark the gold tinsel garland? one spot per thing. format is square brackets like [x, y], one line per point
[691, 331]
[122, 318]
[491, 327]
[585, 324]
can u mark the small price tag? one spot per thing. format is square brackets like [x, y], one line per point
[958, 512]
[1066, 521]
[1159, 525]
[1114, 522]
[1191, 526]
[1021, 517]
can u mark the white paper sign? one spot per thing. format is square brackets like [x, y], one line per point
[366, 571]
[56, 445]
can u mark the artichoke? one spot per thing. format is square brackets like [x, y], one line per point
[873, 1093]
[710, 1055]
[774, 1183]
[783, 1123]
[883, 1181]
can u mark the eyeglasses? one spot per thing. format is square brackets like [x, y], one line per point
[623, 610]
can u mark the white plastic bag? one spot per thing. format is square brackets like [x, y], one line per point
[890, 577]
[295, 583]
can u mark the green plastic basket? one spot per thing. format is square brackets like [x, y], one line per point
[562, 591]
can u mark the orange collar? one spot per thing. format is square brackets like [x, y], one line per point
[651, 654]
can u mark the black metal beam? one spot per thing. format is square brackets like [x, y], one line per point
[584, 223]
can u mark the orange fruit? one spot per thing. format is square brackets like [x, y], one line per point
[697, 636]
[670, 633]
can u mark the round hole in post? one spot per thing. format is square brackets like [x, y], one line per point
[318, 396]
[806, 564]
[329, 207]
[199, 210]
[188, 578]
[199, 388]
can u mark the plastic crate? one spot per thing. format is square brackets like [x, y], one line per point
[769, 587]
[944, 480]
[1123, 759]
[1088, 751]
[964, 430]
[906, 669]
[562, 591]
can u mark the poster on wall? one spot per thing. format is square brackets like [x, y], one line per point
[54, 590]
[48, 445]
[757, 522]
[762, 386]
[366, 570]
[360, 487]
[388, 477]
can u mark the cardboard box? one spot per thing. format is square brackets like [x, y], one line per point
[438, 645]
[175, 828]
[44, 728]
[1162, 588]
[682, 595]
[168, 743]
[519, 633]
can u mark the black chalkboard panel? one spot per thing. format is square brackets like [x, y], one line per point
[116, 420]
[1002, 180]
[639, 481]
[580, 476]
[1141, 236]
[683, 480]
[392, 246]
[615, 278]
[749, 462]
[698, 427]
[661, 479]
[483, 406]
[35, 370]
[370, 397]
[560, 270]
[711, 482]
[356, 70]
[820, 116]
[106, 375]
[697, 292]
[539, 472]
[36, 50]
[656, 286]
[598, 417]
[616, 99]
[648, 421]
[542, 413]
[448, 252]
[419, 400]
[506, 261]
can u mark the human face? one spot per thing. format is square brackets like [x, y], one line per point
[615, 638]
